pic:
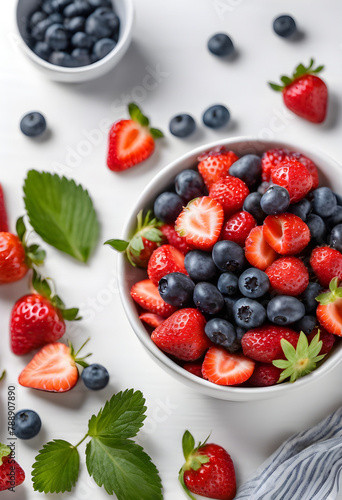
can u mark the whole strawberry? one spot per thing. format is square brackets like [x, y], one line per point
[208, 470]
[131, 141]
[38, 318]
[11, 474]
[305, 94]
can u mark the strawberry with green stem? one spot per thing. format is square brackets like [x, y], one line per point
[146, 238]
[329, 310]
[305, 94]
[11, 474]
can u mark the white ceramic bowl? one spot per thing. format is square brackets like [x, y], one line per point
[125, 11]
[330, 174]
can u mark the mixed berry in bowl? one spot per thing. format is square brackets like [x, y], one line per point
[243, 261]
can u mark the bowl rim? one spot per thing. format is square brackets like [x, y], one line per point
[124, 38]
[218, 391]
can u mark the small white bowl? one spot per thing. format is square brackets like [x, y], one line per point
[330, 174]
[125, 11]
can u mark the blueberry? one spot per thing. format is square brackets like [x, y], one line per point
[27, 424]
[306, 324]
[284, 26]
[284, 309]
[317, 227]
[335, 238]
[221, 45]
[81, 40]
[81, 57]
[103, 47]
[200, 265]
[189, 184]
[176, 289]
[338, 198]
[334, 219]
[251, 204]
[60, 58]
[74, 24]
[95, 377]
[39, 30]
[276, 200]
[63, 3]
[50, 6]
[228, 256]
[102, 23]
[37, 17]
[247, 168]
[101, 3]
[207, 298]
[182, 125]
[228, 283]
[42, 50]
[254, 283]
[324, 202]
[216, 116]
[33, 124]
[220, 332]
[56, 18]
[168, 206]
[248, 313]
[77, 8]
[301, 209]
[56, 37]
[309, 296]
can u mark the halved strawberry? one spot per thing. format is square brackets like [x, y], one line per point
[151, 319]
[200, 222]
[3, 212]
[165, 260]
[52, 369]
[223, 368]
[257, 251]
[329, 310]
[174, 239]
[214, 165]
[293, 176]
[326, 263]
[230, 192]
[286, 233]
[131, 141]
[146, 294]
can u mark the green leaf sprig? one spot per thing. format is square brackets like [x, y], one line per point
[114, 460]
[62, 213]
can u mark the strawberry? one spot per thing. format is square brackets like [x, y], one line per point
[174, 239]
[3, 212]
[52, 369]
[264, 375]
[293, 176]
[146, 294]
[194, 368]
[309, 164]
[288, 276]
[200, 222]
[223, 368]
[328, 339]
[257, 251]
[16, 258]
[329, 310]
[305, 94]
[263, 342]
[11, 474]
[146, 238]
[286, 233]
[230, 192]
[270, 159]
[38, 319]
[326, 263]
[131, 141]
[238, 227]
[214, 165]
[208, 470]
[182, 335]
[151, 319]
[165, 260]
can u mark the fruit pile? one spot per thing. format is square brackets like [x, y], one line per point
[73, 33]
[238, 256]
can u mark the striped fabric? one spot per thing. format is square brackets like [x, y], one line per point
[305, 467]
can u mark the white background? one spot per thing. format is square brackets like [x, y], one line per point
[170, 38]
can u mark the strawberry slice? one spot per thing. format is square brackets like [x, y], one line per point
[257, 251]
[215, 164]
[52, 369]
[146, 294]
[131, 141]
[286, 233]
[151, 319]
[3, 212]
[200, 222]
[329, 310]
[165, 260]
[223, 368]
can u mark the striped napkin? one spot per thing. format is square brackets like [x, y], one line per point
[307, 466]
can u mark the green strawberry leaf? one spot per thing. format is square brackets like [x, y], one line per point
[153, 234]
[276, 87]
[300, 71]
[123, 468]
[71, 314]
[20, 228]
[62, 213]
[4, 451]
[188, 444]
[56, 467]
[156, 133]
[136, 114]
[119, 245]
[41, 285]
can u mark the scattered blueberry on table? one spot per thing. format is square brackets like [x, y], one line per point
[33, 124]
[216, 116]
[221, 45]
[284, 26]
[182, 125]
[95, 377]
[27, 424]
